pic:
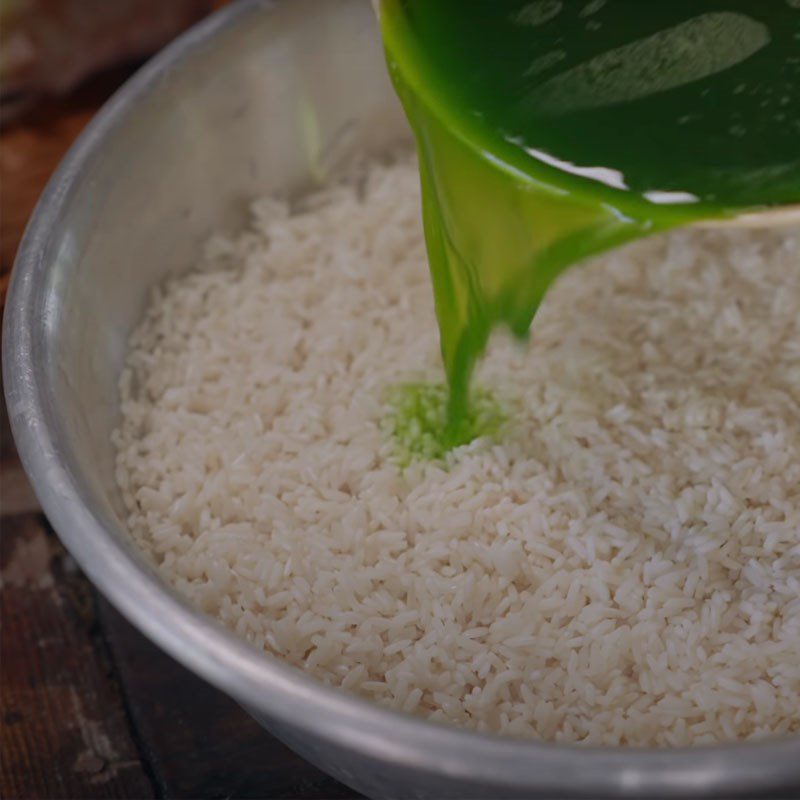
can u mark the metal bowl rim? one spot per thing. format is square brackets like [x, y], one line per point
[256, 680]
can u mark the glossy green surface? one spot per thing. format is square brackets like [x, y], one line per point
[553, 130]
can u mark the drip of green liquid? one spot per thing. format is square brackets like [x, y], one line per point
[551, 131]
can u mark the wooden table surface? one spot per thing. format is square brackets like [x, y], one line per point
[88, 707]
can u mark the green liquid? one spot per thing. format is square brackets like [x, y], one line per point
[419, 418]
[551, 131]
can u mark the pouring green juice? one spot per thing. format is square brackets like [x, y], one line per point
[551, 131]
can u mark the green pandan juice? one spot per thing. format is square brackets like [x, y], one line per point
[551, 131]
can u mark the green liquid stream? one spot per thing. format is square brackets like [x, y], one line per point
[551, 131]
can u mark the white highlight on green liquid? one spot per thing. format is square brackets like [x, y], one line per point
[592, 7]
[695, 49]
[545, 62]
[535, 14]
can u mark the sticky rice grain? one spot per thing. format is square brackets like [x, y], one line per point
[620, 565]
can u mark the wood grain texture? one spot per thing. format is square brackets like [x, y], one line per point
[64, 727]
[92, 709]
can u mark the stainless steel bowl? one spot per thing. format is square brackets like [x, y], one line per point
[261, 97]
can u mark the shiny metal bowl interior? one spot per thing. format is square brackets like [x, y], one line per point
[219, 117]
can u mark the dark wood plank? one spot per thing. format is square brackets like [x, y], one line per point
[202, 744]
[64, 732]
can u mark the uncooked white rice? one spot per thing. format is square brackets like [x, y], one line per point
[622, 566]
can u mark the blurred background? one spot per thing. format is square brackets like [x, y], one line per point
[59, 61]
[88, 707]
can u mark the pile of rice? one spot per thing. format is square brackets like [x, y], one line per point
[620, 566]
